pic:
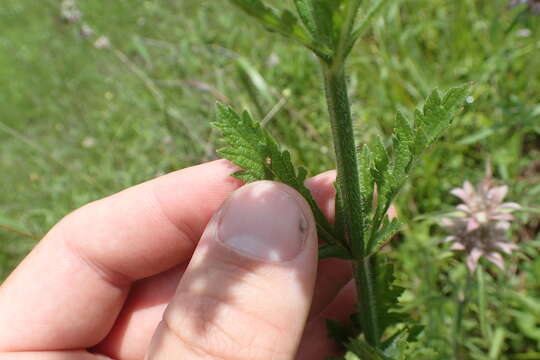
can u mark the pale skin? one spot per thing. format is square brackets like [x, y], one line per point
[163, 270]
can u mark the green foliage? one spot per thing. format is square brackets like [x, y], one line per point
[358, 349]
[328, 23]
[258, 154]
[526, 315]
[47, 68]
[389, 171]
[388, 294]
[284, 23]
[398, 347]
[321, 18]
[398, 331]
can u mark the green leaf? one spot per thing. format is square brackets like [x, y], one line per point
[323, 14]
[306, 13]
[327, 251]
[397, 346]
[387, 173]
[284, 23]
[402, 346]
[388, 297]
[374, 10]
[254, 150]
[437, 116]
[260, 11]
[385, 233]
[318, 16]
[403, 159]
[380, 159]
[360, 350]
[403, 130]
[455, 98]
[497, 343]
[367, 183]
[338, 332]
[421, 140]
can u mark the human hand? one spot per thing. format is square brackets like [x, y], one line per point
[219, 279]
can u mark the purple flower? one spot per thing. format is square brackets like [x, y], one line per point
[480, 225]
[534, 5]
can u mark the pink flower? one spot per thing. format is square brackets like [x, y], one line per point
[534, 5]
[480, 225]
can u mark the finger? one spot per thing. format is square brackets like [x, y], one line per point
[53, 355]
[247, 290]
[130, 337]
[131, 334]
[315, 344]
[333, 274]
[67, 293]
[323, 192]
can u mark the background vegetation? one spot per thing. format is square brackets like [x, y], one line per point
[79, 122]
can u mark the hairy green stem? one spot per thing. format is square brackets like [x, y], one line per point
[345, 148]
[367, 298]
[348, 183]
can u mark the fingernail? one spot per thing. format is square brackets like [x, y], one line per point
[263, 222]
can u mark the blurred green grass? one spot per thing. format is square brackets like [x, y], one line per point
[79, 123]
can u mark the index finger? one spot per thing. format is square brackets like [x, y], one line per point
[69, 290]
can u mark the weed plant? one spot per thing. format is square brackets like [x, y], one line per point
[78, 123]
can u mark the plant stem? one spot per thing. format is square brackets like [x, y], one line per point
[458, 336]
[346, 31]
[367, 298]
[345, 148]
[482, 304]
[349, 185]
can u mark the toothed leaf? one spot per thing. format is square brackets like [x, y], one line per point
[258, 154]
[380, 159]
[367, 183]
[322, 18]
[327, 251]
[284, 23]
[305, 11]
[360, 350]
[388, 229]
[403, 130]
[269, 17]
[455, 98]
[388, 294]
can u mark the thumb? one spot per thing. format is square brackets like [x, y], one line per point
[248, 287]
